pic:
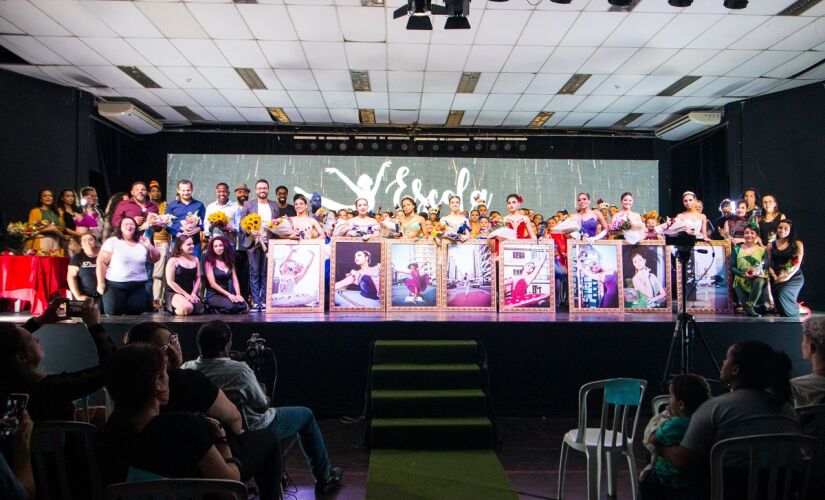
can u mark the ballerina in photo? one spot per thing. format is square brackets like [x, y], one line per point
[290, 274]
[651, 293]
[417, 283]
[366, 277]
[589, 265]
[515, 288]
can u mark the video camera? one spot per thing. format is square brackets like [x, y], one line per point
[262, 360]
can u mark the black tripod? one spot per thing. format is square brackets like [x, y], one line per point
[686, 331]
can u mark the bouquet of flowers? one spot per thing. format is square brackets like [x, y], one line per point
[190, 224]
[24, 231]
[392, 226]
[789, 266]
[621, 222]
[757, 270]
[499, 229]
[218, 219]
[280, 227]
[327, 221]
[251, 223]
[153, 219]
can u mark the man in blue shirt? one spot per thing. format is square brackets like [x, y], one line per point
[183, 208]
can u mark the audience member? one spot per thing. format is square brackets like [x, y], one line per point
[82, 274]
[51, 232]
[17, 478]
[222, 278]
[238, 380]
[189, 214]
[183, 278]
[121, 270]
[50, 396]
[810, 389]
[137, 207]
[160, 238]
[256, 256]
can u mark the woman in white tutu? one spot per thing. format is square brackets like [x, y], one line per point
[362, 225]
[290, 274]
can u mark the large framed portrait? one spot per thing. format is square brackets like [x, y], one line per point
[646, 271]
[413, 275]
[356, 275]
[526, 277]
[469, 276]
[295, 276]
[595, 276]
[709, 279]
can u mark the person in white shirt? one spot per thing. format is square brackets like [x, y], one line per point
[121, 270]
[255, 254]
[227, 206]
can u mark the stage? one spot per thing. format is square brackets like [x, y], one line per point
[537, 362]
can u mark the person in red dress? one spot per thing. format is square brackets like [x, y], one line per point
[516, 221]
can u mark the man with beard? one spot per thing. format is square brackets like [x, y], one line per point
[135, 207]
[255, 254]
[241, 194]
[241, 259]
[161, 240]
[187, 206]
[281, 192]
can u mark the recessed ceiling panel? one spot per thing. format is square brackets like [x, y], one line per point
[592, 28]
[547, 28]
[75, 17]
[268, 22]
[30, 19]
[173, 19]
[221, 21]
[366, 56]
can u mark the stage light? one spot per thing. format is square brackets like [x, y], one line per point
[457, 23]
[436, 147]
[736, 4]
[419, 147]
[298, 146]
[457, 10]
[404, 146]
[522, 147]
[388, 146]
[464, 148]
[565, 2]
[450, 147]
[418, 14]
[493, 147]
[313, 146]
[328, 146]
[374, 146]
[680, 3]
[419, 22]
[359, 146]
[498, 0]
[342, 146]
[620, 3]
[478, 146]
[507, 146]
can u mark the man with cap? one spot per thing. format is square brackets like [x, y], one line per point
[241, 193]
[161, 240]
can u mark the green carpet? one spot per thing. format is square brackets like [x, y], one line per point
[411, 474]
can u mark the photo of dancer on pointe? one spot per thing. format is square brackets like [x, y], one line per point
[413, 275]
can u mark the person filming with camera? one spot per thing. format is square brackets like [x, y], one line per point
[239, 383]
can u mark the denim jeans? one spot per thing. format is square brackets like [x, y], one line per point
[257, 274]
[292, 420]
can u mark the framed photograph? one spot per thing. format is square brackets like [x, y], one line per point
[708, 279]
[647, 283]
[595, 276]
[469, 276]
[412, 275]
[295, 276]
[526, 277]
[356, 275]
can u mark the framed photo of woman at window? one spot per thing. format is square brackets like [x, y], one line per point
[709, 279]
[356, 275]
[295, 276]
[646, 270]
[526, 277]
[469, 276]
[412, 275]
[595, 276]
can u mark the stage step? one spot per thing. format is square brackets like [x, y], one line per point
[432, 433]
[425, 351]
[433, 403]
[426, 376]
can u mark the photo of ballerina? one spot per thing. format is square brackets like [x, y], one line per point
[355, 267]
[295, 275]
[595, 276]
[469, 277]
[413, 275]
[646, 269]
[527, 281]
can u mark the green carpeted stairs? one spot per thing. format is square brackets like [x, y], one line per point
[426, 394]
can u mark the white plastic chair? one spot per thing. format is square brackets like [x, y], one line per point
[169, 489]
[659, 403]
[60, 450]
[615, 435]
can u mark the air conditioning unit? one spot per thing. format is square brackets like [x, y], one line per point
[689, 124]
[129, 116]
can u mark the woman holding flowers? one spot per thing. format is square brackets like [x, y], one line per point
[516, 221]
[628, 221]
[304, 227]
[593, 223]
[785, 258]
[456, 225]
[183, 278]
[747, 262]
[49, 227]
[362, 225]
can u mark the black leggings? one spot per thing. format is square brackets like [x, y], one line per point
[260, 455]
[125, 297]
[221, 304]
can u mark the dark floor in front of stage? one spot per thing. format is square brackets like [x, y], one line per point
[529, 454]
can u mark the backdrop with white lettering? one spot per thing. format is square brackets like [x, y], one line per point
[546, 185]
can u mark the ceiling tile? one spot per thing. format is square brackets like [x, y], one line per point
[73, 50]
[724, 61]
[555, 119]
[447, 57]
[606, 60]
[223, 78]
[592, 83]
[658, 104]
[469, 101]
[441, 101]
[564, 102]
[683, 29]
[567, 59]
[441, 81]
[269, 79]
[201, 53]
[756, 86]
[315, 115]
[532, 102]
[174, 97]
[637, 28]
[378, 81]
[592, 28]
[490, 118]
[296, 79]
[690, 103]
[226, 114]
[404, 81]
[221, 21]
[9, 28]
[469, 117]
[158, 51]
[30, 19]
[186, 77]
[242, 53]
[333, 79]
[405, 100]
[485, 83]
[721, 86]
[289, 55]
[763, 63]
[809, 36]
[501, 27]
[142, 95]
[344, 115]
[169, 114]
[527, 59]
[645, 61]
[403, 116]
[500, 102]
[307, 98]
[547, 28]
[325, 55]
[547, 84]
[208, 98]
[268, 22]
[605, 120]
[158, 77]
[359, 24]
[685, 61]
[725, 32]
[433, 116]
[595, 103]
[617, 84]
[124, 18]
[626, 103]
[512, 83]
[315, 23]
[771, 32]
[111, 76]
[518, 119]
[116, 51]
[652, 85]
[258, 115]
[274, 98]
[30, 49]
[800, 63]
[340, 99]
[75, 17]
[173, 19]
[576, 119]
[372, 100]
[410, 57]
[487, 57]
[763, 8]
[441, 36]
[366, 56]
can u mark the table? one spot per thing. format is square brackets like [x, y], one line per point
[33, 279]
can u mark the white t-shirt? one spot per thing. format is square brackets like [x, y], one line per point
[265, 212]
[128, 263]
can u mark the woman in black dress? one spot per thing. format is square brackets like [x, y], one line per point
[785, 268]
[183, 279]
[770, 219]
[222, 279]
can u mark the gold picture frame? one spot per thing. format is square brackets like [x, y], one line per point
[468, 276]
[590, 283]
[353, 285]
[540, 293]
[295, 276]
[656, 257]
[413, 271]
[709, 280]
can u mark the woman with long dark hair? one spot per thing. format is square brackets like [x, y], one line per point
[109, 213]
[70, 215]
[785, 267]
[183, 278]
[121, 270]
[50, 233]
[222, 279]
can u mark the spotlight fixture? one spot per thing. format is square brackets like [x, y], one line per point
[450, 147]
[680, 3]
[507, 146]
[457, 10]
[388, 146]
[374, 146]
[478, 146]
[404, 146]
[359, 146]
[620, 3]
[313, 146]
[328, 146]
[436, 147]
[493, 147]
[736, 4]
[299, 146]
[561, 1]
[417, 11]
[522, 147]
[342, 146]
[464, 147]
[419, 147]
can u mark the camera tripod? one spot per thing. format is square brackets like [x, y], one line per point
[685, 332]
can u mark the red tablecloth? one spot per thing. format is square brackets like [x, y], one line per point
[33, 279]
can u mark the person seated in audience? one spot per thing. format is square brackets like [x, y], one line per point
[687, 392]
[50, 396]
[810, 389]
[17, 477]
[177, 444]
[82, 274]
[238, 380]
[183, 278]
[222, 278]
[758, 403]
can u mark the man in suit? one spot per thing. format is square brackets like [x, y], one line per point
[268, 210]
